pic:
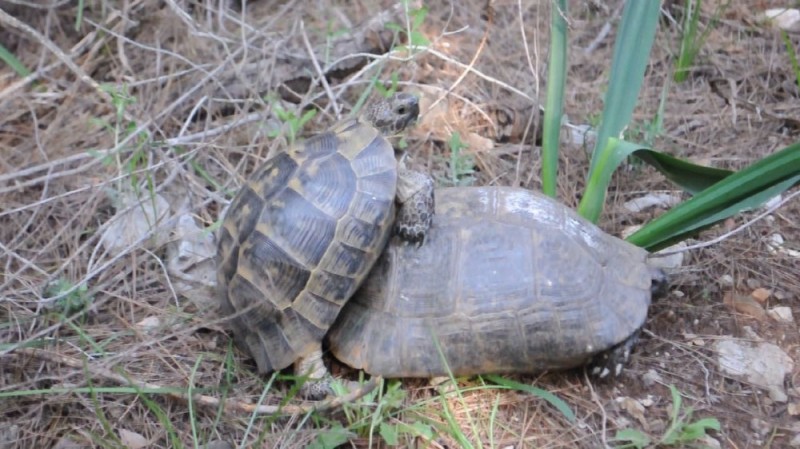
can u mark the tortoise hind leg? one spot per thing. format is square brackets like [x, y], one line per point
[317, 384]
[608, 364]
[416, 205]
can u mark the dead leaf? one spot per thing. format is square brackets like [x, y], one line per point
[745, 305]
[635, 409]
[761, 295]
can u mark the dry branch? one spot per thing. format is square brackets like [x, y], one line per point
[209, 402]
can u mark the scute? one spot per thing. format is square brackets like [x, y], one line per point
[299, 238]
[474, 293]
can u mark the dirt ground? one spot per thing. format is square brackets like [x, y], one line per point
[182, 98]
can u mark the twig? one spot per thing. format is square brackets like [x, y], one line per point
[336, 109]
[13, 22]
[213, 403]
[603, 31]
[489, 8]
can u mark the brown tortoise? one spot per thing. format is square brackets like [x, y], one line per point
[509, 281]
[303, 232]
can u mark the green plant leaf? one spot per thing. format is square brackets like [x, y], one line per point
[629, 61]
[676, 403]
[12, 61]
[692, 178]
[746, 189]
[554, 103]
[331, 438]
[696, 430]
[554, 400]
[634, 438]
[389, 433]
[419, 429]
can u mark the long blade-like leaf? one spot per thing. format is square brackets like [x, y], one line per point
[745, 189]
[554, 104]
[554, 400]
[690, 177]
[631, 53]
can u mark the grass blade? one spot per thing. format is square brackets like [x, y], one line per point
[554, 104]
[554, 400]
[12, 61]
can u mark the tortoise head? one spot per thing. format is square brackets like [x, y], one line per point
[393, 114]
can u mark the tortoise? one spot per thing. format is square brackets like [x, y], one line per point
[302, 233]
[509, 281]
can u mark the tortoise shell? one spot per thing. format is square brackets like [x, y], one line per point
[300, 236]
[508, 281]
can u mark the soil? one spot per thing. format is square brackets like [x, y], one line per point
[195, 88]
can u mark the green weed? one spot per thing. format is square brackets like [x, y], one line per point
[77, 300]
[690, 41]
[294, 122]
[461, 165]
[682, 431]
[411, 31]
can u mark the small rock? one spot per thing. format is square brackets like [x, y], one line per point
[726, 280]
[750, 333]
[745, 305]
[647, 402]
[9, 435]
[135, 219]
[793, 408]
[662, 200]
[668, 259]
[132, 440]
[760, 427]
[761, 295]
[191, 262]
[777, 394]
[651, 377]
[149, 323]
[779, 295]
[781, 314]
[795, 441]
[763, 364]
[709, 442]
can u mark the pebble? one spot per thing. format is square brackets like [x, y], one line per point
[777, 394]
[760, 427]
[781, 314]
[726, 280]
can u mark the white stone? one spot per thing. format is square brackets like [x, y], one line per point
[663, 200]
[726, 280]
[777, 394]
[651, 377]
[781, 314]
[762, 364]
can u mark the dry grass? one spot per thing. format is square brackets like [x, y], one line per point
[199, 123]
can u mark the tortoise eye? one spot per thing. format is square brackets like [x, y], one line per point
[402, 110]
